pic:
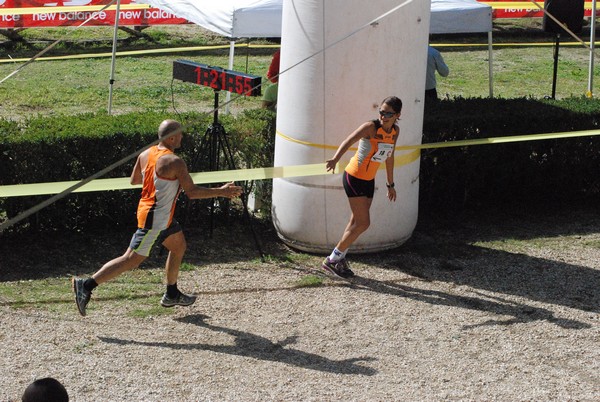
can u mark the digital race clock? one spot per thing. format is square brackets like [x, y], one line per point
[217, 78]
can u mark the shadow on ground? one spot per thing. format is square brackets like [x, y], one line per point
[251, 345]
[444, 250]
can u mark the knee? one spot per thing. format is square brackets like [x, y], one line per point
[181, 247]
[362, 225]
[178, 249]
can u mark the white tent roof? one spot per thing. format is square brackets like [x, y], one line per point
[230, 18]
[262, 18]
[459, 16]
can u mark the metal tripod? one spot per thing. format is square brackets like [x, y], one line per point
[215, 146]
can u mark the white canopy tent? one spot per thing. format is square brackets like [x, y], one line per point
[459, 16]
[262, 18]
[230, 18]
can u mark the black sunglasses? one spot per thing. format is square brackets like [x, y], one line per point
[386, 114]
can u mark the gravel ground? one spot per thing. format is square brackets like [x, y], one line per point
[479, 308]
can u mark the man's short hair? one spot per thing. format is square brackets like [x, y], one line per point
[168, 127]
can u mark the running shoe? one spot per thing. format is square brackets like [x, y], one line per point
[82, 296]
[333, 268]
[181, 300]
[345, 271]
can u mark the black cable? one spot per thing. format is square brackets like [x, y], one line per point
[173, 99]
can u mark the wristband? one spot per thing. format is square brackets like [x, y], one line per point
[389, 185]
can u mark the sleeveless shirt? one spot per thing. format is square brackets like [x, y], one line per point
[371, 153]
[159, 195]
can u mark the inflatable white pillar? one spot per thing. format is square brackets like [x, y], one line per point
[338, 75]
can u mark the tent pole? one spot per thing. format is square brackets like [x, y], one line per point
[114, 52]
[590, 91]
[230, 67]
[490, 64]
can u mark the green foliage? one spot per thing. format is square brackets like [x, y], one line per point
[254, 131]
[150, 311]
[522, 174]
[187, 267]
[65, 148]
[72, 148]
[309, 281]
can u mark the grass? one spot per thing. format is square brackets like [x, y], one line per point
[518, 72]
[135, 293]
[78, 86]
[309, 281]
[145, 82]
[139, 289]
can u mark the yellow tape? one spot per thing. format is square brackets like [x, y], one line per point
[68, 9]
[310, 144]
[124, 53]
[511, 44]
[503, 140]
[19, 190]
[238, 45]
[317, 169]
[462, 143]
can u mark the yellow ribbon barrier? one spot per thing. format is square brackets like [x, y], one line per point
[123, 53]
[122, 183]
[317, 169]
[240, 45]
[462, 143]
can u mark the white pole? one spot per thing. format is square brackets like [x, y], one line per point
[490, 64]
[230, 67]
[114, 51]
[590, 91]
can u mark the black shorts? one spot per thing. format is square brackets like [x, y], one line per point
[357, 187]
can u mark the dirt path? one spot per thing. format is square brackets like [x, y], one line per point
[502, 308]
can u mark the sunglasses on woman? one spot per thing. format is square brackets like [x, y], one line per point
[386, 114]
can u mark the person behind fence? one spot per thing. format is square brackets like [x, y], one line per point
[435, 63]
[269, 100]
[376, 143]
[163, 176]
[45, 390]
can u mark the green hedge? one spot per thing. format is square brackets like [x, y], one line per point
[523, 174]
[65, 148]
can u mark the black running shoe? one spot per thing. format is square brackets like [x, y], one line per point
[82, 296]
[332, 268]
[345, 271]
[181, 300]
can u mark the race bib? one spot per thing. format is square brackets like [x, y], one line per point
[383, 152]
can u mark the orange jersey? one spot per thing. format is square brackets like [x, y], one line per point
[159, 195]
[371, 153]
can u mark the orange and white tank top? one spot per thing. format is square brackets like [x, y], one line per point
[159, 195]
[371, 153]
